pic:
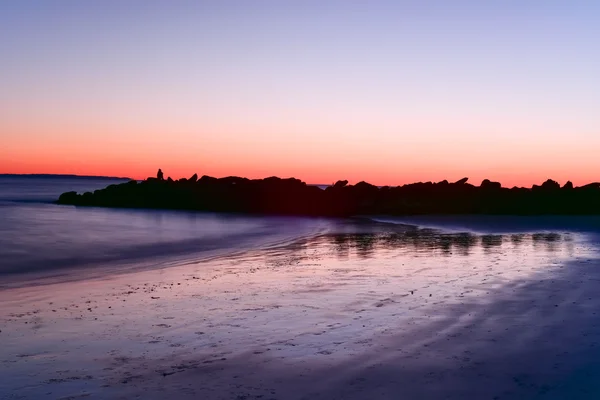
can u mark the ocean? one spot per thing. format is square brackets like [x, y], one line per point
[39, 238]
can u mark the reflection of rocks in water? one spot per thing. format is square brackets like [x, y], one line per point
[517, 239]
[365, 245]
[432, 242]
[342, 246]
[446, 244]
[425, 242]
[420, 240]
[550, 240]
[464, 242]
[545, 237]
[490, 241]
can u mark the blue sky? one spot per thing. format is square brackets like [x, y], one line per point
[507, 89]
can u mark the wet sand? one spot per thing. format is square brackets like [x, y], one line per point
[392, 315]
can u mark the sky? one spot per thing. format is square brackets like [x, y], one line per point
[390, 92]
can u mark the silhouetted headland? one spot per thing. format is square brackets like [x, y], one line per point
[293, 197]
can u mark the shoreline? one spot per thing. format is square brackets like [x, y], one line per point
[100, 269]
[319, 319]
[443, 225]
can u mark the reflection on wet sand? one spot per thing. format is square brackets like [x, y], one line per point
[428, 242]
[371, 311]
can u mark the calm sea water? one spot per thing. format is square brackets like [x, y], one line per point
[37, 236]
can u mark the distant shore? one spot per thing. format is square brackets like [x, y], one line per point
[276, 196]
[63, 176]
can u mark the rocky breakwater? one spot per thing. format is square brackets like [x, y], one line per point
[293, 197]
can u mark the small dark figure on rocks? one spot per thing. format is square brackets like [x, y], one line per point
[159, 175]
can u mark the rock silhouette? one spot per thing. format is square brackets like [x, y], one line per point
[293, 197]
[568, 185]
[340, 184]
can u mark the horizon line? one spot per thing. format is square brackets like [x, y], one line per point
[32, 175]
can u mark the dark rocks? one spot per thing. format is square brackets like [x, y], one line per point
[550, 185]
[291, 196]
[568, 186]
[364, 187]
[591, 186]
[487, 184]
[207, 179]
[68, 198]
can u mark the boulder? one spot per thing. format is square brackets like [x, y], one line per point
[68, 198]
[550, 185]
[487, 184]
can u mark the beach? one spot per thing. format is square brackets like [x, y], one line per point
[299, 200]
[384, 311]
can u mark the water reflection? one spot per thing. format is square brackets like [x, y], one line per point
[490, 241]
[517, 239]
[429, 242]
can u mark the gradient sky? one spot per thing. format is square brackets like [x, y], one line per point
[385, 91]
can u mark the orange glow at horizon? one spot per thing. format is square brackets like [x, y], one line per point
[385, 93]
[306, 152]
[315, 169]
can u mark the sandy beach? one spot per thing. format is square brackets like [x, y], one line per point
[393, 315]
[299, 200]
